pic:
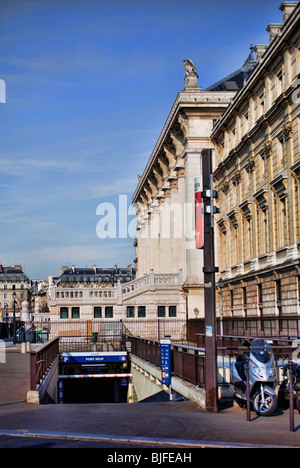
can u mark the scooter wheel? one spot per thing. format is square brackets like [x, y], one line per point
[266, 404]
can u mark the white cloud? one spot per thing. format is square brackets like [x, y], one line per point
[114, 187]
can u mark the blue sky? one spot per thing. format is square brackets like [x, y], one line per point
[89, 85]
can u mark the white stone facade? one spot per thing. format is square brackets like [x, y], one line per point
[165, 196]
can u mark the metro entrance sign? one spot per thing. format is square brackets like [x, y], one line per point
[94, 358]
[165, 357]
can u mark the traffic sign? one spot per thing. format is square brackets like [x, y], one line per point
[94, 358]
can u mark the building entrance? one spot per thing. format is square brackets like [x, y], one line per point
[96, 377]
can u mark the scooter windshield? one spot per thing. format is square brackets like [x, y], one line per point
[261, 350]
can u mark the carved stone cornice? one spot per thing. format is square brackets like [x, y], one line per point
[178, 144]
[222, 225]
[296, 169]
[236, 178]
[250, 164]
[153, 186]
[163, 164]
[233, 218]
[279, 185]
[170, 155]
[174, 137]
[245, 207]
[260, 198]
[184, 123]
[267, 150]
[158, 174]
[225, 186]
[287, 131]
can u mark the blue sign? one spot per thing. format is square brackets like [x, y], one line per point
[165, 357]
[94, 358]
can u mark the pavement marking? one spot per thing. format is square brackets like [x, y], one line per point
[179, 443]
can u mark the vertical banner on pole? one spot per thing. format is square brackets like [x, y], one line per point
[199, 226]
[165, 357]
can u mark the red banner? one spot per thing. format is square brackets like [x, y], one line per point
[199, 225]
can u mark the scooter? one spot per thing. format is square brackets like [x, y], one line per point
[262, 375]
[284, 392]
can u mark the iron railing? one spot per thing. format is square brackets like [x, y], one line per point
[187, 362]
[41, 360]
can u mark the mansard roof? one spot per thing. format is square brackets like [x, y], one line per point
[98, 275]
[235, 80]
[12, 273]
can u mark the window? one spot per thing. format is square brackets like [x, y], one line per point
[109, 312]
[172, 311]
[161, 311]
[141, 311]
[64, 313]
[130, 311]
[97, 312]
[75, 313]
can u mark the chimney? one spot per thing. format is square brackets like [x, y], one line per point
[63, 269]
[274, 29]
[73, 268]
[287, 9]
[95, 269]
[260, 50]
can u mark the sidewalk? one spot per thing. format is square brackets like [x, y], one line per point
[178, 422]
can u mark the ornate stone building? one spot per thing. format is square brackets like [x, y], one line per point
[165, 195]
[257, 178]
[14, 286]
[112, 294]
[250, 120]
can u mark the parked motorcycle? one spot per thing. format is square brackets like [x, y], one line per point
[284, 394]
[262, 375]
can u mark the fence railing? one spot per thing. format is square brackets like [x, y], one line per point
[187, 362]
[41, 360]
[76, 329]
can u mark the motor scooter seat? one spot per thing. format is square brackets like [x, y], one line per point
[240, 367]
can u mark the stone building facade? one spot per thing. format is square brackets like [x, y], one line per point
[14, 286]
[257, 178]
[112, 294]
[250, 120]
[165, 195]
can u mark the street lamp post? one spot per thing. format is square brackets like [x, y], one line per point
[221, 286]
[14, 318]
[186, 292]
[211, 382]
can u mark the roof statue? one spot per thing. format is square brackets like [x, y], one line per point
[189, 67]
[190, 80]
